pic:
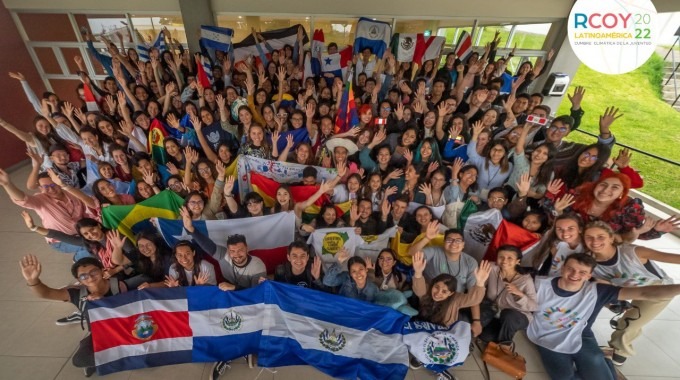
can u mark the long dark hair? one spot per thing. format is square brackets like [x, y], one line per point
[320, 222]
[395, 272]
[52, 136]
[545, 173]
[98, 194]
[437, 311]
[543, 250]
[92, 246]
[155, 270]
[181, 274]
[570, 175]
[504, 164]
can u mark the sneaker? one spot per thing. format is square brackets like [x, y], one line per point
[445, 376]
[413, 363]
[618, 359]
[72, 318]
[89, 371]
[219, 369]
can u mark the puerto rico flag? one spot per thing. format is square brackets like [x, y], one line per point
[267, 236]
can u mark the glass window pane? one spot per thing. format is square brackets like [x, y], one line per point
[488, 33]
[242, 25]
[530, 36]
[149, 27]
[338, 30]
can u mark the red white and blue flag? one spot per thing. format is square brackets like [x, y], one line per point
[464, 47]
[283, 324]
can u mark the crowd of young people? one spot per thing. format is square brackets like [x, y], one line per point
[443, 135]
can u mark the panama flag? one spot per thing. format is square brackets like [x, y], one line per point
[438, 347]
[375, 35]
[464, 47]
[336, 63]
[267, 236]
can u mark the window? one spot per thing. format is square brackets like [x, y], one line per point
[149, 27]
[338, 30]
[530, 36]
[243, 25]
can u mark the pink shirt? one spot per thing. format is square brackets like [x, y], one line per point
[60, 215]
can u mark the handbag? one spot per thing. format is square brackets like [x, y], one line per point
[504, 358]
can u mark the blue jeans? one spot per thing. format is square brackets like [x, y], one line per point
[589, 360]
[79, 252]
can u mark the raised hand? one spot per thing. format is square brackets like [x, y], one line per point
[623, 159]
[555, 186]
[354, 213]
[455, 167]
[172, 168]
[564, 202]
[172, 120]
[385, 207]
[30, 269]
[432, 230]
[369, 264]
[229, 185]
[171, 282]
[201, 279]
[67, 109]
[419, 263]
[390, 191]
[477, 128]
[289, 141]
[148, 177]
[28, 219]
[117, 241]
[378, 138]
[316, 268]
[187, 222]
[611, 114]
[399, 112]
[408, 156]
[482, 272]
[394, 174]
[668, 225]
[523, 185]
[576, 99]
[646, 226]
[426, 189]
[18, 76]
[55, 177]
[433, 166]
[442, 109]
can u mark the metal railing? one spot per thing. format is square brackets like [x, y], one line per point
[654, 156]
[671, 52]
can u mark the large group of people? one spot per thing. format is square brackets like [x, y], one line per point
[443, 135]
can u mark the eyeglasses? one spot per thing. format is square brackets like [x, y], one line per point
[50, 186]
[453, 241]
[196, 203]
[561, 129]
[588, 156]
[89, 275]
[386, 108]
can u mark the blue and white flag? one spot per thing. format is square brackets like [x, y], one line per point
[216, 38]
[438, 347]
[144, 49]
[283, 324]
[375, 35]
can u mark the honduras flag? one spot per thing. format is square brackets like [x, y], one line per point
[144, 49]
[216, 38]
[375, 35]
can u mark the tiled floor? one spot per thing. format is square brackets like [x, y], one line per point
[33, 347]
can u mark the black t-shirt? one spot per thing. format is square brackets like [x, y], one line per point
[606, 294]
[74, 298]
[300, 280]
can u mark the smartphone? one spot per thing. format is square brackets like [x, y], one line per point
[543, 121]
[380, 121]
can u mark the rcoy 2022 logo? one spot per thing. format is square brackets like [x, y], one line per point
[613, 36]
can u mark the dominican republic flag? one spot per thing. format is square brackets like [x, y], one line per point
[267, 236]
[90, 100]
[276, 39]
[204, 71]
[372, 34]
[438, 347]
[143, 49]
[464, 47]
[348, 116]
[485, 231]
[283, 324]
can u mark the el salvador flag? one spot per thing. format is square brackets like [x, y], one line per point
[375, 35]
